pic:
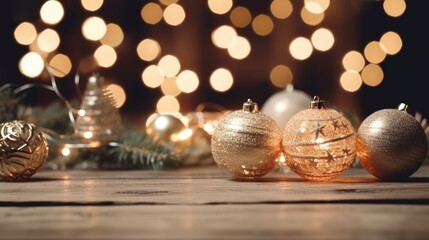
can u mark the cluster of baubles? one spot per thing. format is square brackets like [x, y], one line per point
[318, 143]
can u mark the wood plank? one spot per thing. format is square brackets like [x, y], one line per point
[264, 221]
[206, 185]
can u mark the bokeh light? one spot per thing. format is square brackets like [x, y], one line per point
[316, 6]
[151, 13]
[372, 75]
[94, 28]
[281, 9]
[169, 87]
[310, 18]
[31, 65]
[60, 65]
[350, 81]
[221, 80]
[262, 25]
[239, 48]
[118, 94]
[223, 35]
[353, 60]
[187, 81]
[168, 2]
[48, 40]
[374, 52]
[391, 42]
[394, 8]
[174, 14]
[51, 12]
[169, 65]
[281, 76]
[105, 56]
[91, 5]
[167, 104]
[322, 39]
[240, 17]
[300, 48]
[114, 35]
[220, 6]
[25, 33]
[148, 49]
[152, 76]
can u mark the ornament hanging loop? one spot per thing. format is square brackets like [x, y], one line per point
[250, 106]
[317, 103]
[403, 107]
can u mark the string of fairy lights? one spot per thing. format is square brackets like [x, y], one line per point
[164, 71]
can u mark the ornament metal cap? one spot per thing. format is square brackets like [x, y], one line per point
[403, 107]
[250, 106]
[317, 103]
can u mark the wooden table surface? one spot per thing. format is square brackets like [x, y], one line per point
[204, 203]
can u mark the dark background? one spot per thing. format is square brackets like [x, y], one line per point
[354, 23]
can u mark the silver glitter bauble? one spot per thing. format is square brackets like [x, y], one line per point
[23, 150]
[246, 143]
[391, 144]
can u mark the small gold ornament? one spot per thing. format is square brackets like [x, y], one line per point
[246, 143]
[23, 150]
[319, 143]
[391, 144]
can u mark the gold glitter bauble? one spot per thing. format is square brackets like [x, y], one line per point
[319, 143]
[23, 150]
[391, 144]
[246, 143]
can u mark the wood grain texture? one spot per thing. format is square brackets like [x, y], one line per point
[204, 203]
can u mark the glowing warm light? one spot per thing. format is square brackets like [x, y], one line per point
[240, 17]
[185, 134]
[187, 81]
[25, 33]
[31, 65]
[301, 48]
[372, 75]
[239, 48]
[391, 42]
[60, 65]
[167, 104]
[374, 52]
[351, 81]
[151, 13]
[48, 40]
[65, 152]
[353, 60]
[152, 76]
[310, 18]
[394, 8]
[174, 15]
[223, 35]
[209, 128]
[105, 56]
[169, 65]
[91, 5]
[168, 2]
[148, 49]
[88, 134]
[316, 6]
[114, 35]
[51, 12]
[94, 28]
[262, 25]
[322, 39]
[221, 80]
[220, 6]
[169, 87]
[118, 94]
[281, 9]
[151, 118]
[281, 76]
[81, 112]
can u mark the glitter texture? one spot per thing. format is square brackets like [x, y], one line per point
[23, 150]
[319, 144]
[246, 144]
[391, 144]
